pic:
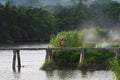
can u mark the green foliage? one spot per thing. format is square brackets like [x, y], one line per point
[72, 39]
[66, 58]
[99, 56]
[116, 67]
[97, 60]
[76, 39]
[49, 65]
[23, 24]
[28, 23]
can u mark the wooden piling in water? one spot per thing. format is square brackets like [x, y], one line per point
[117, 54]
[14, 60]
[18, 58]
[82, 55]
[16, 53]
[48, 55]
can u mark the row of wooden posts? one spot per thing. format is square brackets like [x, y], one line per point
[16, 54]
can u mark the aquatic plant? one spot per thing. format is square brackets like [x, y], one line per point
[84, 38]
[72, 39]
[95, 59]
[115, 63]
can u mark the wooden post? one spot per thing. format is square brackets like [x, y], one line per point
[16, 53]
[117, 54]
[48, 55]
[18, 58]
[14, 60]
[82, 55]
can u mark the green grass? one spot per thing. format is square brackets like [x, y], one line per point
[95, 59]
[49, 65]
[115, 63]
[78, 39]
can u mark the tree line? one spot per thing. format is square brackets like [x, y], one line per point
[18, 23]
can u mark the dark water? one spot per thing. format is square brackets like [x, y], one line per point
[33, 60]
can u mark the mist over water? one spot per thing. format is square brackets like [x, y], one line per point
[104, 38]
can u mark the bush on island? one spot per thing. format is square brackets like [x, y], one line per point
[85, 38]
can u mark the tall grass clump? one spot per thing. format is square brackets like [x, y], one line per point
[115, 63]
[67, 58]
[97, 60]
[83, 39]
[72, 39]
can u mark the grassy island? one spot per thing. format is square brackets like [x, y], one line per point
[87, 38]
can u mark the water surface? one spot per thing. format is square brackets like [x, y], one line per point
[33, 60]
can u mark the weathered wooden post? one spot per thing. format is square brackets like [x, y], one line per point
[117, 54]
[16, 53]
[82, 55]
[48, 55]
[14, 60]
[18, 58]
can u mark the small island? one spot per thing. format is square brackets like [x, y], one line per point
[87, 38]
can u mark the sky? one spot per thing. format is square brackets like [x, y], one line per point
[44, 2]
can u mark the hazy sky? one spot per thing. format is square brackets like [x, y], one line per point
[45, 2]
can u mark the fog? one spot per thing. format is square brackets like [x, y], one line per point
[110, 38]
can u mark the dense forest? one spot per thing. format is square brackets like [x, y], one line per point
[18, 23]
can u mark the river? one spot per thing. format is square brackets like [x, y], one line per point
[33, 60]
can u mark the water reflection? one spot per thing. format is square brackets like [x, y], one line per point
[17, 75]
[79, 75]
[33, 60]
[61, 74]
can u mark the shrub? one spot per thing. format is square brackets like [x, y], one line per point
[72, 39]
[66, 58]
[78, 39]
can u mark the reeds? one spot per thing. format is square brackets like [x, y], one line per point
[115, 63]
